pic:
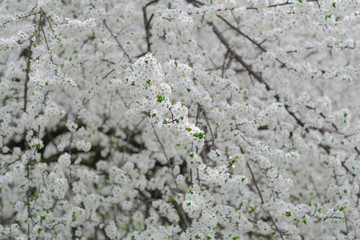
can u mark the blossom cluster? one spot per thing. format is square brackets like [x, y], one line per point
[179, 119]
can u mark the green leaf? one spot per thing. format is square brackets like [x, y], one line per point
[73, 217]
[36, 145]
[160, 98]
[199, 135]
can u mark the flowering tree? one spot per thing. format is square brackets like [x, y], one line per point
[179, 119]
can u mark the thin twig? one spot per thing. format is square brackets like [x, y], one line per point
[147, 24]
[166, 156]
[117, 41]
[128, 139]
[262, 201]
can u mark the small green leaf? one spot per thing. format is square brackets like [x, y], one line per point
[73, 217]
[199, 135]
[160, 98]
[36, 145]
